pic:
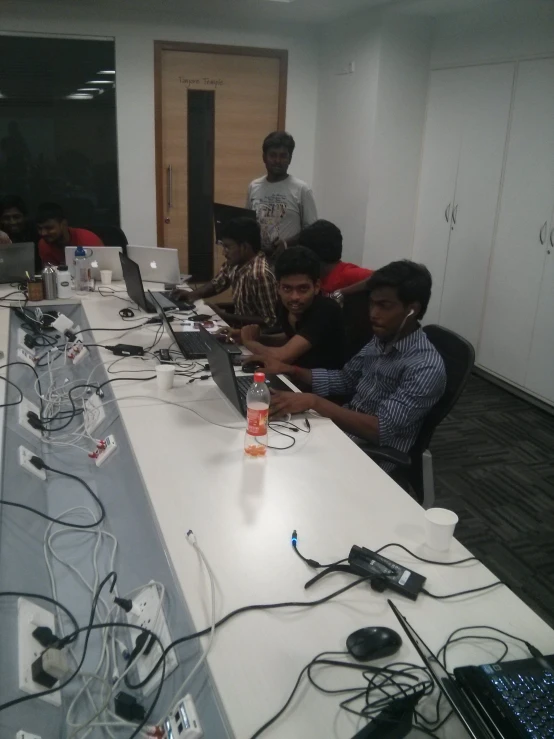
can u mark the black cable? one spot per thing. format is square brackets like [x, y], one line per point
[83, 330]
[15, 402]
[34, 371]
[238, 611]
[463, 592]
[311, 562]
[44, 466]
[427, 561]
[16, 594]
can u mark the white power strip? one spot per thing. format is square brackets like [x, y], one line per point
[183, 721]
[145, 607]
[26, 407]
[94, 413]
[29, 616]
[25, 462]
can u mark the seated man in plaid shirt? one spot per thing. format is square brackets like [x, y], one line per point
[247, 272]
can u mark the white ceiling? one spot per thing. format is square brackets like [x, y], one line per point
[269, 11]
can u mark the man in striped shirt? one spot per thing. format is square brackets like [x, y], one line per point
[395, 380]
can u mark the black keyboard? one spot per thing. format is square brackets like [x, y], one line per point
[244, 385]
[191, 343]
[529, 698]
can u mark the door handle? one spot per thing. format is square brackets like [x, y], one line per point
[169, 187]
[447, 213]
[552, 238]
[542, 234]
[455, 214]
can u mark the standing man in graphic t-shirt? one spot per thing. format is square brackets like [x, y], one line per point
[284, 205]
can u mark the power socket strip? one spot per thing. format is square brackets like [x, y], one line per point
[183, 721]
[26, 735]
[24, 354]
[25, 462]
[145, 607]
[94, 413]
[29, 616]
[21, 334]
[26, 407]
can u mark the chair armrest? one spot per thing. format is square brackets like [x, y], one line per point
[386, 454]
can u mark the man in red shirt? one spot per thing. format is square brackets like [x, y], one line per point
[55, 234]
[325, 240]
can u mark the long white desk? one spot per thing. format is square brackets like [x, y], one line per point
[243, 512]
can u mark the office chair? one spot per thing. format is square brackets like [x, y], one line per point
[357, 327]
[110, 235]
[414, 471]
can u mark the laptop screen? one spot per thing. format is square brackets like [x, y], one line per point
[133, 281]
[465, 712]
[225, 213]
[221, 367]
[165, 321]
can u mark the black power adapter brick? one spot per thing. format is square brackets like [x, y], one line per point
[127, 350]
[406, 582]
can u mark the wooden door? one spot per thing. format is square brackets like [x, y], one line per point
[540, 369]
[520, 245]
[441, 149]
[484, 93]
[249, 88]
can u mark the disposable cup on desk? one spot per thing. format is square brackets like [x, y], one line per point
[439, 528]
[106, 276]
[165, 374]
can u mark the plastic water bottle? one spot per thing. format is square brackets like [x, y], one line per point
[82, 271]
[257, 403]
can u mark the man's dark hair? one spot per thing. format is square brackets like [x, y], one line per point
[411, 281]
[276, 140]
[13, 201]
[243, 230]
[49, 212]
[324, 239]
[298, 260]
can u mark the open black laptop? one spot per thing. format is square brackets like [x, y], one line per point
[190, 343]
[224, 213]
[504, 700]
[135, 289]
[234, 387]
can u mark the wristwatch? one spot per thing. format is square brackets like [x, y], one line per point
[338, 296]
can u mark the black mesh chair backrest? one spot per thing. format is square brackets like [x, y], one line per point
[458, 356]
[357, 327]
[110, 235]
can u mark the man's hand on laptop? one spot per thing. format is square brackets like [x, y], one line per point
[283, 403]
[231, 334]
[270, 365]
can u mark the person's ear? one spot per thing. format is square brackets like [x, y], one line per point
[414, 309]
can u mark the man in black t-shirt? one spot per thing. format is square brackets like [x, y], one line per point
[312, 325]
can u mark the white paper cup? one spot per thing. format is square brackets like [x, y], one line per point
[106, 276]
[439, 528]
[165, 374]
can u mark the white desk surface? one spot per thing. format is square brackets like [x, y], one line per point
[243, 512]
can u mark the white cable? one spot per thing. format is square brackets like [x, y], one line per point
[203, 657]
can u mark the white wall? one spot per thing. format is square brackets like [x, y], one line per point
[345, 125]
[134, 32]
[403, 75]
[496, 33]
[370, 129]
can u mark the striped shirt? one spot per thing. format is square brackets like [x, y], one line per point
[399, 386]
[254, 288]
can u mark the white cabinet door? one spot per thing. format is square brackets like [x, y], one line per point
[526, 202]
[540, 371]
[441, 148]
[485, 94]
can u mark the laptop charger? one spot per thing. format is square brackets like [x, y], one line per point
[127, 350]
[398, 578]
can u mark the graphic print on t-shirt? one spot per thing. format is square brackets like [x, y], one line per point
[270, 212]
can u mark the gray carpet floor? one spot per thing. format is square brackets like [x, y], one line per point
[494, 465]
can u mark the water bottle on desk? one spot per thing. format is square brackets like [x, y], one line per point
[82, 271]
[257, 403]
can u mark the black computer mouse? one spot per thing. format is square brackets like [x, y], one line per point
[373, 642]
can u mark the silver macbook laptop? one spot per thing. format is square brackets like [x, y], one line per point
[102, 257]
[17, 261]
[157, 264]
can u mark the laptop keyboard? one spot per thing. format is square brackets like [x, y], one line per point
[244, 384]
[192, 342]
[530, 698]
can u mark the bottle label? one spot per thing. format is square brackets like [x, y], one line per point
[257, 421]
[64, 284]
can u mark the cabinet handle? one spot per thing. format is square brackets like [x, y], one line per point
[455, 214]
[447, 213]
[552, 238]
[542, 235]
[169, 187]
